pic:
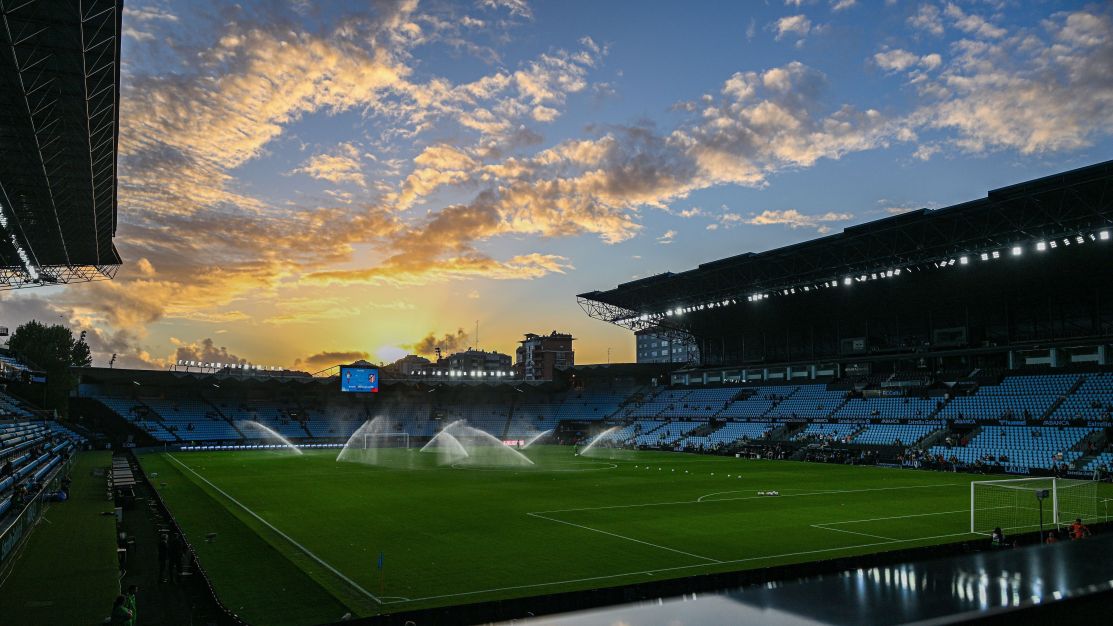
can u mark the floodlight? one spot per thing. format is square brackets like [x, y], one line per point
[985, 256]
[1041, 246]
[847, 281]
[1104, 235]
[996, 254]
[1079, 239]
[963, 260]
[1066, 241]
[1052, 244]
[1017, 251]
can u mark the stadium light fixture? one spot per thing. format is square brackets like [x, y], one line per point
[963, 260]
[1052, 244]
[996, 254]
[1104, 235]
[1041, 246]
[1079, 239]
[1017, 251]
[847, 281]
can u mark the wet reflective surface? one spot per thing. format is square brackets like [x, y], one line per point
[942, 590]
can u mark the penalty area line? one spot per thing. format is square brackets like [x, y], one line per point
[680, 567]
[852, 532]
[280, 533]
[645, 543]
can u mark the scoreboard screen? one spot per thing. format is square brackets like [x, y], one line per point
[359, 379]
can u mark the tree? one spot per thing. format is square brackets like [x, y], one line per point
[54, 350]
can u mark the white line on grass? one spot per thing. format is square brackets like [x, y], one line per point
[851, 532]
[280, 533]
[560, 521]
[681, 567]
[881, 519]
[790, 495]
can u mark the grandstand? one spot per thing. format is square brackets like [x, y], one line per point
[928, 369]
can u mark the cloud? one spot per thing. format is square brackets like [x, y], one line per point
[326, 359]
[798, 24]
[206, 351]
[1030, 91]
[448, 343]
[667, 237]
[840, 5]
[972, 24]
[898, 60]
[795, 219]
[518, 8]
[927, 18]
[341, 166]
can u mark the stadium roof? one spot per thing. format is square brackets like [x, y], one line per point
[1074, 203]
[59, 130]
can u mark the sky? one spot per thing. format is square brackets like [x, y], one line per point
[308, 183]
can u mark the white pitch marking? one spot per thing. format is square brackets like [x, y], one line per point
[681, 567]
[852, 532]
[282, 534]
[792, 495]
[560, 521]
[881, 519]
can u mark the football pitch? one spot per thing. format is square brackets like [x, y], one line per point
[304, 539]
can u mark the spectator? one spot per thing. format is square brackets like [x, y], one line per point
[1052, 537]
[121, 614]
[1078, 530]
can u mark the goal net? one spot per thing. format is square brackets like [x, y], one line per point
[1015, 505]
[373, 441]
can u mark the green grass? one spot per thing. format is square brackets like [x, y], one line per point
[67, 572]
[454, 536]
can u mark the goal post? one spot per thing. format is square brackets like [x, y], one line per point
[386, 440]
[1015, 505]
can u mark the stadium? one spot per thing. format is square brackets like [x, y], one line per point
[890, 423]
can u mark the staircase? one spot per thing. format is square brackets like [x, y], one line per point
[224, 417]
[509, 420]
[1059, 401]
[934, 438]
[705, 430]
[151, 412]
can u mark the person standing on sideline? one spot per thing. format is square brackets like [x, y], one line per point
[120, 612]
[165, 564]
[1078, 530]
[132, 590]
[175, 548]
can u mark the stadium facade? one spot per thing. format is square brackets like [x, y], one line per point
[1016, 278]
[652, 346]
